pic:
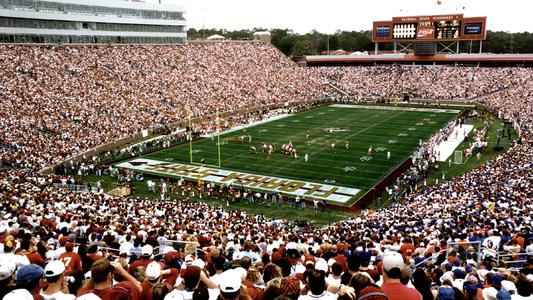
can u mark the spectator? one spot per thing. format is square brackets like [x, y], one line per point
[57, 288]
[392, 267]
[101, 283]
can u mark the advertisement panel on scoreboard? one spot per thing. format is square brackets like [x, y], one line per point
[425, 33]
[473, 28]
[383, 31]
[427, 28]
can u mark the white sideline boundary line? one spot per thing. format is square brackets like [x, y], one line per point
[237, 128]
[418, 109]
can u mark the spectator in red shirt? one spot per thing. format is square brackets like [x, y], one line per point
[145, 260]
[393, 264]
[92, 254]
[101, 283]
[154, 276]
[70, 259]
[407, 245]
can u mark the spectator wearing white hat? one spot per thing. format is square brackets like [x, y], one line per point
[7, 276]
[145, 260]
[393, 263]
[231, 286]
[154, 276]
[57, 288]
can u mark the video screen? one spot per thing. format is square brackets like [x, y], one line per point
[473, 28]
[382, 31]
[404, 31]
[448, 29]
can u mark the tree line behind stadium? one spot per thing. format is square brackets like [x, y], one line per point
[297, 45]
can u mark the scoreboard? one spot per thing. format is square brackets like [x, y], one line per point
[430, 28]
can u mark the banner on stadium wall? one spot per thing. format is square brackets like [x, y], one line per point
[240, 179]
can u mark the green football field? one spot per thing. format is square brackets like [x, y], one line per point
[397, 130]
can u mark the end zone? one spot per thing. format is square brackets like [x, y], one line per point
[338, 194]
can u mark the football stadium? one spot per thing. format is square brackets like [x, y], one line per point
[141, 158]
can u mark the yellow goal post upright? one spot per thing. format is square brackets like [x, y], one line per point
[189, 116]
[217, 120]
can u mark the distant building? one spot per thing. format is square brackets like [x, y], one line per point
[94, 21]
[215, 37]
[263, 36]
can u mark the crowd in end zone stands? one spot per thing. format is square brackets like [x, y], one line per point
[61, 244]
[424, 82]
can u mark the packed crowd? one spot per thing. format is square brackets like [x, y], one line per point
[436, 82]
[442, 242]
[58, 101]
[42, 225]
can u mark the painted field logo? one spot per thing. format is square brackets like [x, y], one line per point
[259, 182]
[333, 130]
[349, 169]
[365, 158]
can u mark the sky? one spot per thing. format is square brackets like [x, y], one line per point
[327, 16]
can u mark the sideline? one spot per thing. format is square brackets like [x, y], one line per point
[419, 109]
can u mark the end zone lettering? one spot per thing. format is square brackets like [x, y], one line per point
[247, 180]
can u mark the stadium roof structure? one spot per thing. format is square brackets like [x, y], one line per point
[479, 59]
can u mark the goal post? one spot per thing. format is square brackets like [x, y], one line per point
[190, 137]
[458, 157]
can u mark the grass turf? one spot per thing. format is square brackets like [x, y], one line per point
[397, 131]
